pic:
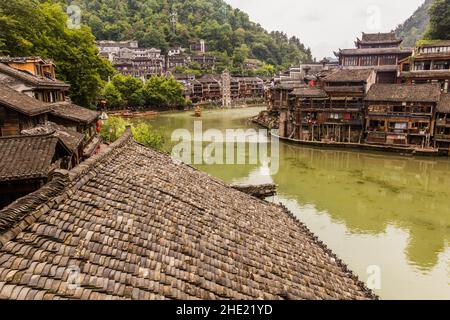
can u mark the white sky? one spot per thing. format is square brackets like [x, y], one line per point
[327, 25]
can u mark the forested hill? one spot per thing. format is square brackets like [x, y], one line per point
[414, 28]
[225, 29]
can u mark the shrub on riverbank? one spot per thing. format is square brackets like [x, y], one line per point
[143, 132]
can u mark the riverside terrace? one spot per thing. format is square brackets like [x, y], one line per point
[135, 224]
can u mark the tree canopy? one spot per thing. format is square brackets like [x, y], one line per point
[127, 91]
[439, 27]
[33, 28]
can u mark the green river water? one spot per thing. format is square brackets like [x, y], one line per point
[371, 209]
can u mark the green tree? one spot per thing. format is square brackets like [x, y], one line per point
[240, 55]
[31, 28]
[439, 27]
[163, 92]
[112, 96]
[130, 88]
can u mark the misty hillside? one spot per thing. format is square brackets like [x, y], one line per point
[414, 28]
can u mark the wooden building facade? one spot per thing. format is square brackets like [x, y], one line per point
[442, 133]
[331, 112]
[401, 114]
[430, 63]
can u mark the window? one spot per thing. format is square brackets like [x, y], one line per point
[369, 61]
[388, 60]
[351, 61]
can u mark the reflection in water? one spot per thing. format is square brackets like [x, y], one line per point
[371, 209]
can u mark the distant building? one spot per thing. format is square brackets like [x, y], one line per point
[380, 51]
[175, 51]
[430, 63]
[206, 62]
[178, 60]
[199, 47]
[110, 48]
[128, 59]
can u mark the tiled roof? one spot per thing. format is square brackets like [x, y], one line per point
[73, 112]
[444, 103]
[310, 92]
[349, 75]
[379, 37]
[21, 102]
[289, 85]
[131, 223]
[404, 92]
[385, 68]
[40, 82]
[425, 74]
[374, 51]
[71, 138]
[26, 157]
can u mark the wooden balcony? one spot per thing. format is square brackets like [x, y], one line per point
[442, 137]
[443, 123]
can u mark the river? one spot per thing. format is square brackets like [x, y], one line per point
[382, 214]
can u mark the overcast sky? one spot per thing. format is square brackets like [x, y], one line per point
[327, 25]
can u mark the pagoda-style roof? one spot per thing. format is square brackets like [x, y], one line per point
[133, 223]
[374, 51]
[378, 39]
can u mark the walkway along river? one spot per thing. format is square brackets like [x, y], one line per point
[378, 212]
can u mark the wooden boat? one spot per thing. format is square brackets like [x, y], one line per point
[198, 111]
